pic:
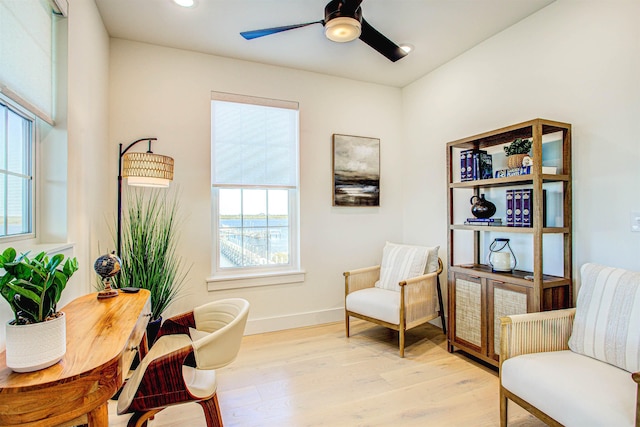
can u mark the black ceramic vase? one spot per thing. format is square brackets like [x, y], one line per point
[481, 207]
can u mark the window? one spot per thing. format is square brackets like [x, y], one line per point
[16, 166]
[32, 49]
[254, 185]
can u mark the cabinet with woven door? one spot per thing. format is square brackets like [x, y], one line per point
[479, 292]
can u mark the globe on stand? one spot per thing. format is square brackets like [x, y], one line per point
[107, 266]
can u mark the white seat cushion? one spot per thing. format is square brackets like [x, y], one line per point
[378, 303]
[573, 389]
[200, 382]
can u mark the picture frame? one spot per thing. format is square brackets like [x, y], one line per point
[356, 171]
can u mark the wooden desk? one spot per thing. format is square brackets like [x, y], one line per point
[102, 338]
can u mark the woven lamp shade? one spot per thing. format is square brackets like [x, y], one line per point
[147, 169]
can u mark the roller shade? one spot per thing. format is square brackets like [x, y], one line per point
[26, 70]
[254, 143]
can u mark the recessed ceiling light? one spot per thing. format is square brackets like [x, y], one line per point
[406, 47]
[185, 3]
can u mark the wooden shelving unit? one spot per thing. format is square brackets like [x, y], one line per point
[478, 297]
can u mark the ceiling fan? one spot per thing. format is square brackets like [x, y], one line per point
[343, 22]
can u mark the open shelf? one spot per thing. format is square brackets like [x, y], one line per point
[515, 276]
[478, 296]
[508, 181]
[504, 229]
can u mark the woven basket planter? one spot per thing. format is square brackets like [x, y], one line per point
[36, 346]
[515, 160]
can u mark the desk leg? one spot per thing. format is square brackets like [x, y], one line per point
[99, 417]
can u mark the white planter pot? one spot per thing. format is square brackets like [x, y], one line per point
[36, 346]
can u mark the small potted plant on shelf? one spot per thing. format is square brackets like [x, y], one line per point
[36, 337]
[517, 151]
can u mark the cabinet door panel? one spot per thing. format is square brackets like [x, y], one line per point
[469, 311]
[506, 299]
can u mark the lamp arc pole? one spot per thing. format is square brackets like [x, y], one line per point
[121, 154]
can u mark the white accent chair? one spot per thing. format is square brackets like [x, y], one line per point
[397, 294]
[180, 367]
[578, 366]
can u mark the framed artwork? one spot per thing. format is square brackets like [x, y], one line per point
[356, 171]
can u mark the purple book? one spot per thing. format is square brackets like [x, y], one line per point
[463, 165]
[527, 196]
[517, 208]
[509, 208]
[469, 164]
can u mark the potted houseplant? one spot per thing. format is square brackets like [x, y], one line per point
[36, 337]
[148, 257]
[517, 151]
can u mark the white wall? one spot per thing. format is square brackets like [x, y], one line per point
[166, 93]
[89, 174]
[573, 61]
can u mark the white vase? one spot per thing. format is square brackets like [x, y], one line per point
[36, 346]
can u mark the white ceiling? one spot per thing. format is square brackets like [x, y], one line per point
[439, 30]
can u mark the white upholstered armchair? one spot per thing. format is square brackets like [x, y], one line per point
[578, 366]
[401, 293]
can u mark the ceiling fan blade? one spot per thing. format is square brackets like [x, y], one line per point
[379, 42]
[249, 35]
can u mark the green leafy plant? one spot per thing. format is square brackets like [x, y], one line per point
[148, 255]
[519, 146]
[33, 287]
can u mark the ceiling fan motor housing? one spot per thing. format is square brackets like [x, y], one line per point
[342, 20]
[340, 9]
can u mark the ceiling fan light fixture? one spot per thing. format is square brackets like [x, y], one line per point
[406, 47]
[342, 29]
[185, 3]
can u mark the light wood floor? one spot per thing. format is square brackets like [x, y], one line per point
[316, 376]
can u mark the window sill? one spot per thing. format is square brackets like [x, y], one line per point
[249, 281]
[34, 248]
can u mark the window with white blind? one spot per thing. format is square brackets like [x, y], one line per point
[16, 166]
[254, 146]
[29, 50]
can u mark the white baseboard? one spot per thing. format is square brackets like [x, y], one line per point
[298, 320]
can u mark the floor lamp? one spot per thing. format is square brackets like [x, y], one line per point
[143, 170]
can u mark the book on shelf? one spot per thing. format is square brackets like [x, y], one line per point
[509, 216]
[519, 208]
[475, 164]
[463, 165]
[484, 219]
[468, 165]
[527, 197]
[496, 222]
[503, 173]
[524, 170]
[482, 166]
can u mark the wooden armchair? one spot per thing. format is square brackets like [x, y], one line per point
[180, 367]
[417, 300]
[561, 365]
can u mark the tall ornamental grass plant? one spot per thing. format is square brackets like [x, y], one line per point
[149, 242]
